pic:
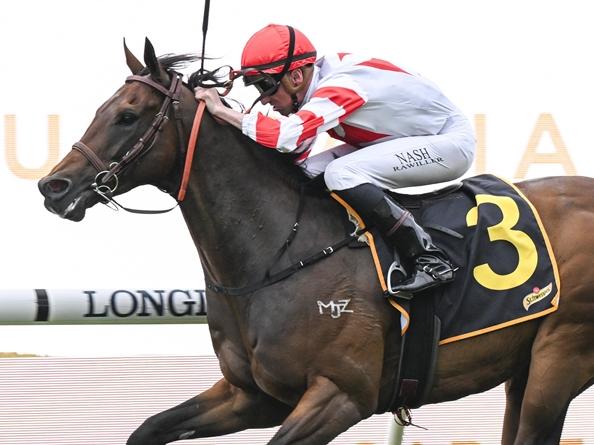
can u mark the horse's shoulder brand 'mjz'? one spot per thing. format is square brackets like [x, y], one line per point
[335, 308]
[318, 369]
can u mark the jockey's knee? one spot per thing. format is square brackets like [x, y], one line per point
[460, 165]
[340, 176]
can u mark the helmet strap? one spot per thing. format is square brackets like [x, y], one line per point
[290, 52]
[296, 103]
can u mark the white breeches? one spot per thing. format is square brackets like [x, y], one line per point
[403, 162]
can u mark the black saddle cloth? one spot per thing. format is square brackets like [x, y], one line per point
[507, 271]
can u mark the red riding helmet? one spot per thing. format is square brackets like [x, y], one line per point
[269, 51]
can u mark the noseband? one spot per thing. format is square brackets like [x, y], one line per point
[106, 181]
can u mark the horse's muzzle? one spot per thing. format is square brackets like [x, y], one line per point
[62, 199]
[54, 187]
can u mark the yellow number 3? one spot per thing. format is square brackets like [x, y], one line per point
[527, 253]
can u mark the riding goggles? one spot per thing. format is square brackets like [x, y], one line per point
[266, 84]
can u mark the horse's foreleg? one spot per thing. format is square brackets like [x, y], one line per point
[322, 413]
[222, 409]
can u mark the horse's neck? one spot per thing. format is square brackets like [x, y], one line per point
[238, 209]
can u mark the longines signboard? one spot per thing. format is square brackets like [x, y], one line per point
[102, 306]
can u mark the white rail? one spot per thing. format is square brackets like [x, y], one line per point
[102, 306]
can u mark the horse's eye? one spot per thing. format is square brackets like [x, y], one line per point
[126, 118]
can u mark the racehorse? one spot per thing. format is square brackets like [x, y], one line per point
[283, 362]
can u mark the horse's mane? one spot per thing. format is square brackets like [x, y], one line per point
[280, 164]
[174, 62]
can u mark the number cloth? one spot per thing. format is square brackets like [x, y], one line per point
[507, 271]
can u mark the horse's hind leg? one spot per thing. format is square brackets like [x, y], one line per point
[514, 394]
[552, 435]
[322, 413]
[222, 409]
[561, 367]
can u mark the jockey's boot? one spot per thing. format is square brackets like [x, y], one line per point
[431, 265]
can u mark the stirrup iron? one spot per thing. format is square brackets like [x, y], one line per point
[396, 268]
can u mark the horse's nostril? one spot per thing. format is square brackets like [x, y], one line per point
[57, 185]
[54, 187]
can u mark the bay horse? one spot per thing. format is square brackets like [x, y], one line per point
[283, 363]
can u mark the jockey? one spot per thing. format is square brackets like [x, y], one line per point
[398, 129]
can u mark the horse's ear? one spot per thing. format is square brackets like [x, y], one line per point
[157, 71]
[131, 60]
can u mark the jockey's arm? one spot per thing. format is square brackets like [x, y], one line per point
[328, 105]
[216, 107]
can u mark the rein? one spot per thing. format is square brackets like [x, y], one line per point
[285, 273]
[270, 279]
[146, 142]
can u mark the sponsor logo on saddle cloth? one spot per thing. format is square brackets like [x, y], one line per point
[536, 295]
[493, 233]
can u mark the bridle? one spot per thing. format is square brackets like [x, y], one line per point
[107, 174]
[107, 178]
[172, 99]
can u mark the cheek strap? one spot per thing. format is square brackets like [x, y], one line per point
[295, 103]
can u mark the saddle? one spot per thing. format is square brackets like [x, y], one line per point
[506, 273]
